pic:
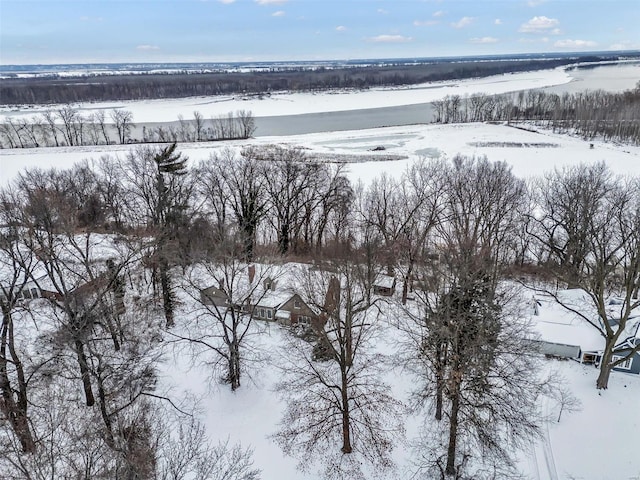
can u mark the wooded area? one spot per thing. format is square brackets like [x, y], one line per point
[113, 247]
[42, 91]
[589, 114]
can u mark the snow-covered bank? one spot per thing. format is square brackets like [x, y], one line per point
[529, 153]
[277, 104]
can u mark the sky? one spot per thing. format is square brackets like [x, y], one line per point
[108, 31]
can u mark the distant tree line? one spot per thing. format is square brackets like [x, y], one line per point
[67, 126]
[589, 114]
[149, 86]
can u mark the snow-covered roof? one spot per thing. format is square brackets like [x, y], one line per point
[555, 324]
[281, 279]
[384, 281]
[272, 298]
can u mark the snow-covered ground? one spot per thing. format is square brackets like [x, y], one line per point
[529, 153]
[167, 110]
[594, 443]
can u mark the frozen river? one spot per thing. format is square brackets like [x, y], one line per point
[612, 78]
[286, 113]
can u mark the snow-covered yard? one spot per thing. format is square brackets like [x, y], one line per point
[594, 443]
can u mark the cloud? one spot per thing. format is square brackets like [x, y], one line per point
[437, 14]
[540, 24]
[574, 43]
[226, 1]
[382, 11]
[147, 47]
[535, 3]
[497, 21]
[390, 39]
[463, 22]
[624, 45]
[279, 13]
[483, 40]
[271, 2]
[425, 23]
[341, 28]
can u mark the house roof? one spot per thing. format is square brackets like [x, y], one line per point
[283, 277]
[555, 324]
[384, 281]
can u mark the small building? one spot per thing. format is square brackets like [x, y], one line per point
[384, 285]
[565, 334]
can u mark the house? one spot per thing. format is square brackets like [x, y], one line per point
[565, 334]
[296, 312]
[384, 285]
[270, 297]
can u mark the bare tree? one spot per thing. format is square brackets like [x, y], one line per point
[123, 122]
[245, 185]
[199, 126]
[339, 412]
[247, 123]
[189, 454]
[72, 125]
[221, 331]
[291, 183]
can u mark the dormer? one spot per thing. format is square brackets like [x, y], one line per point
[269, 283]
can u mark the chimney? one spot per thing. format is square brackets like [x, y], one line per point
[252, 273]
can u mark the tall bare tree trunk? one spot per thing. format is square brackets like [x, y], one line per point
[14, 409]
[346, 420]
[453, 435]
[602, 383]
[84, 372]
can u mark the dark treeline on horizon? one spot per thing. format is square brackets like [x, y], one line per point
[16, 91]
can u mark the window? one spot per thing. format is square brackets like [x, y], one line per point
[303, 319]
[626, 365]
[269, 314]
[296, 304]
[34, 293]
[262, 313]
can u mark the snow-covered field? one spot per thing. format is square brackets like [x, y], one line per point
[529, 153]
[167, 110]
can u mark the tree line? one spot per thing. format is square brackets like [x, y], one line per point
[589, 114]
[67, 126]
[149, 86]
[458, 236]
